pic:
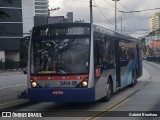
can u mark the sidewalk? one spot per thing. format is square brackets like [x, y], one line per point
[11, 72]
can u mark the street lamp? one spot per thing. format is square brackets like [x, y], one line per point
[115, 14]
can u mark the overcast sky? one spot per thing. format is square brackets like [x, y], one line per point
[138, 21]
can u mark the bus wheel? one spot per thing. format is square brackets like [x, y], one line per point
[134, 79]
[109, 91]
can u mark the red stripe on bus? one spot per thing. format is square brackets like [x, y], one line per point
[77, 77]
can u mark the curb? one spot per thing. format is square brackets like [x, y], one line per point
[11, 70]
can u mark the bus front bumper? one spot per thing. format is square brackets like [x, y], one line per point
[61, 94]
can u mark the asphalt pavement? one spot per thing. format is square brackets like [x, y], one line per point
[12, 84]
[11, 72]
[8, 94]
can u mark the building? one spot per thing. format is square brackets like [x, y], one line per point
[70, 17]
[11, 31]
[22, 16]
[41, 12]
[155, 22]
[28, 12]
[12, 28]
[41, 7]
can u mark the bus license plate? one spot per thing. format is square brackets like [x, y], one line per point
[68, 83]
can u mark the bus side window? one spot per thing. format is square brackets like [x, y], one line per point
[131, 54]
[109, 52]
[124, 51]
[99, 51]
[131, 50]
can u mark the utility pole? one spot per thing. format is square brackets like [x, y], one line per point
[51, 10]
[115, 14]
[91, 12]
[121, 25]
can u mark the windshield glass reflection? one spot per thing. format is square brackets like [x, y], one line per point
[60, 56]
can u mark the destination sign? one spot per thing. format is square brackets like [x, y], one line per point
[62, 31]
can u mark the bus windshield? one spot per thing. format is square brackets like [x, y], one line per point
[60, 56]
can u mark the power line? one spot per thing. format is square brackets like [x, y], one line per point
[102, 13]
[149, 9]
[136, 11]
[110, 4]
[127, 21]
[106, 8]
[132, 15]
[124, 6]
[139, 10]
[118, 9]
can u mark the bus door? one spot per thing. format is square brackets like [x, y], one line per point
[124, 62]
[118, 76]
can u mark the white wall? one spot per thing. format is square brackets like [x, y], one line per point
[2, 56]
[28, 12]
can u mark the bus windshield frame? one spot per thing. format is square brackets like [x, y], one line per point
[60, 49]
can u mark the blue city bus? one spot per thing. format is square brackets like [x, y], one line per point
[80, 62]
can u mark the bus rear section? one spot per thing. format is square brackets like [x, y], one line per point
[59, 62]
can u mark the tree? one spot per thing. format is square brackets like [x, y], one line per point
[2, 13]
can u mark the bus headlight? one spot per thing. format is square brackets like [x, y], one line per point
[34, 84]
[84, 83]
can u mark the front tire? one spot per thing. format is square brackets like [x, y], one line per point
[109, 91]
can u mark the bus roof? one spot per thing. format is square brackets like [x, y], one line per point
[61, 25]
[113, 33]
[95, 28]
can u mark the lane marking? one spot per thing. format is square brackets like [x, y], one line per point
[107, 110]
[13, 103]
[112, 107]
[13, 86]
